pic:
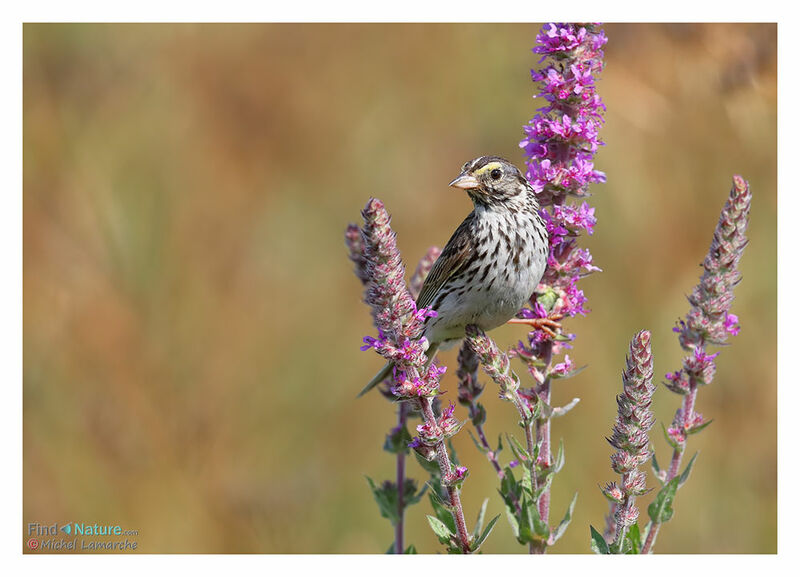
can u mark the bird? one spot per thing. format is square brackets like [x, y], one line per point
[492, 263]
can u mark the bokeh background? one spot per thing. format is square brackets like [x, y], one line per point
[192, 324]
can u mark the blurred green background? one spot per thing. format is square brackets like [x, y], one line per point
[192, 324]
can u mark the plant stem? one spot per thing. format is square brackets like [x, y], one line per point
[446, 470]
[611, 524]
[677, 455]
[622, 528]
[543, 436]
[399, 546]
[530, 442]
[543, 430]
[651, 538]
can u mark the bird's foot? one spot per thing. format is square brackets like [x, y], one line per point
[548, 325]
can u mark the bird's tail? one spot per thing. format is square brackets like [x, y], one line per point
[378, 379]
[387, 370]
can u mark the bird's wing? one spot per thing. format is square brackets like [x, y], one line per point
[458, 251]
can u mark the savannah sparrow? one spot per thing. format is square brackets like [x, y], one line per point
[491, 265]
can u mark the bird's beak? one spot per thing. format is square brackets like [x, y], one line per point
[465, 181]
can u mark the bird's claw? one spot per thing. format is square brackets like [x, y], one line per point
[548, 325]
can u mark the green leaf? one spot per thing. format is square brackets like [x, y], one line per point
[656, 468]
[479, 541]
[599, 544]
[397, 441]
[386, 497]
[411, 550]
[526, 483]
[698, 428]
[520, 452]
[558, 464]
[441, 530]
[634, 539]
[660, 510]
[431, 467]
[442, 511]
[537, 450]
[410, 497]
[478, 444]
[509, 484]
[561, 411]
[562, 527]
[511, 515]
[499, 445]
[544, 487]
[547, 299]
[567, 375]
[479, 418]
[453, 455]
[623, 548]
[481, 515]
[685, 475]
[534, 521]
[525, 535]
[537, 409]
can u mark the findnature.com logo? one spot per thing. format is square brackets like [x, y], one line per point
[72, 537]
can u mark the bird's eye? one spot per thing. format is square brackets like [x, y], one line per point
[496, 174]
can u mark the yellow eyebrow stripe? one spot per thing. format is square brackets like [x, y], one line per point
[488, 167]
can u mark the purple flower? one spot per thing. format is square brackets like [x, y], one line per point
[731, 324]
[677, 435]
[564, 368]
[576, 218]
[427, 452]
[677, 382]
[710, 320]
[560, 142]
[558, 37]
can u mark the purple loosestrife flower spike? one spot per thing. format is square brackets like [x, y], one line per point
[400, 325]
[469, 388]
[387, 293]
[559, 144]
[422, 270]
[629, 436]
[495, 363]
[709, 322]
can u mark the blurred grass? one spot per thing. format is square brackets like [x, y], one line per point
[191, 323]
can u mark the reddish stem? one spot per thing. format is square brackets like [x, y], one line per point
[543, 429]
[402, 414]
[677, 455]
[446, 470]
